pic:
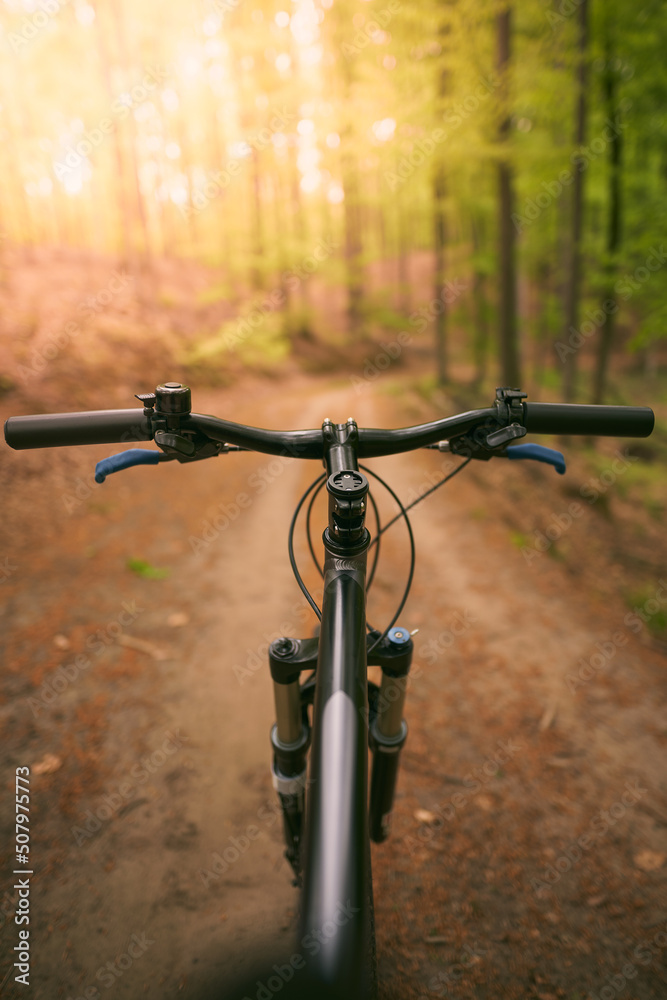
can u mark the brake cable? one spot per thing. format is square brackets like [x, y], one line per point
[437, 486]
[316, 486]
[290, 546]
[412, 553]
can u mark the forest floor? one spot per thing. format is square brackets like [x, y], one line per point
[528, 852]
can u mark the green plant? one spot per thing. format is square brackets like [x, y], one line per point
[143, 568]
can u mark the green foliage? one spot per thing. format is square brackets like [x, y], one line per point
[144, 569]
[651, 610]
[254, 338]
[214, 294]
[379, 99]
[519, 540]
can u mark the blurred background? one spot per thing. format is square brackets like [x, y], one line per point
[487, 179]
[314, 209]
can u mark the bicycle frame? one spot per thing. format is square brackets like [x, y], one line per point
[337, 908]
[336, 911]
[337, 859]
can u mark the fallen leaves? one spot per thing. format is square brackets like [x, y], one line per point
[47, 765]
[424, 816]
[131, 642]
[649, 861]
[177, 619]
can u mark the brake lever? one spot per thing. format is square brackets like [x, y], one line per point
[536, 452]
[192, 449]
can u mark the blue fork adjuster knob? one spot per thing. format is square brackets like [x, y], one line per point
[398, 635]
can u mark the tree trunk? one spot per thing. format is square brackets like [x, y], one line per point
[257, 234]
[353, 246]
[301, 234]
[509, 354]
[542, 331]
[402, 258]
[125, 242]
[131, 132]
[439, 238]
[480, 317]
[573, 280]
[281, 230]
[606, 332]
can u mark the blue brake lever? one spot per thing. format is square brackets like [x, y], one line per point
[539, 453]
[124, 460]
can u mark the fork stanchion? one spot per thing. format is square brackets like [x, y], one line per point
[290, 738]
[289, 780]
[388, 729]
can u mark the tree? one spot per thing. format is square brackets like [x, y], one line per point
[575, 261]
[509, 354]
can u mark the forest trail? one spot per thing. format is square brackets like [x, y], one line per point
[497, 638]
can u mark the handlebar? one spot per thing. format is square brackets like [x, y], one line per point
[127, 426]
[573, 418]
[53, 430]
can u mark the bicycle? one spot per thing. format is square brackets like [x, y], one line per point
[336, 715]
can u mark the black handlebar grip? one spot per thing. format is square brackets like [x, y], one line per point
[50, 430]
[573, 418]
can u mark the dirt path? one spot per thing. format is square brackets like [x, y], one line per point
[158, 819]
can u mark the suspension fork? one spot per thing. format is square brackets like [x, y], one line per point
[290, 737]
[388, 729]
